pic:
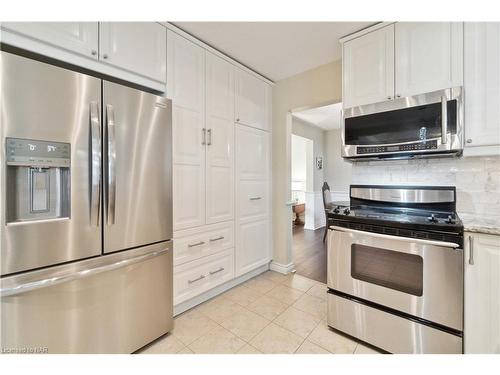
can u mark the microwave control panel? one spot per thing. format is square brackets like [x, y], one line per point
[27, 152]
[427, 145]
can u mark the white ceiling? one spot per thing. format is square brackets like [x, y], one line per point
[276, 50]
[326, 117]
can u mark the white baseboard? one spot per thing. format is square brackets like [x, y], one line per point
[282, 268]
[186, 305]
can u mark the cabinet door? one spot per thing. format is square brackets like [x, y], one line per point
[482, 294]
[220, 140]
[186, 88]
[482, 83]
[252, 98]
[429, 56]
[368, 71]
[78, 37]
[252, 247]
[139, 47]
[252, 149]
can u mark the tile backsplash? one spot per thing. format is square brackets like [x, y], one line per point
[477, 180]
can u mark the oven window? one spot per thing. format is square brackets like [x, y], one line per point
[391, 269]
[404, 125]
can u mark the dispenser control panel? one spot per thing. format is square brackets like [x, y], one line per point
[27, 152]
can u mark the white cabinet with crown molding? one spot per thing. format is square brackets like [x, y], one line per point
[482, 88]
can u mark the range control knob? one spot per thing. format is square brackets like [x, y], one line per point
[336, 210]
[347, 211]
[451, 220]
[432, 218]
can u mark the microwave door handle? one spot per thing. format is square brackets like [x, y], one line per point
[111, 196]
[95, 163]
[444, 120]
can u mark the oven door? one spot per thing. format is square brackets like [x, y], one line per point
[419, 277]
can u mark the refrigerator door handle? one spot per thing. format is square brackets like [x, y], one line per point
[95, 165]
[51, 281]
[111, 198]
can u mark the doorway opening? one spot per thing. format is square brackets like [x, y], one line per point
[314, 159]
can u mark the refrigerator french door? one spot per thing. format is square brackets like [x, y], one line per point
[86, 255]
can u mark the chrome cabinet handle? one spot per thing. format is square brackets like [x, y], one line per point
[217, 239]
[196, 244]
[471, 250]
[93, 52]
[217, 271]
[398, 96]
[209, 131]
[238, 119]
[105, 56]
[110, 117]
[255, 198]
[38, 284]
[444, 119]
[203, 136]
[389, 97]
[95, 154]
[469, 140]
[197, 279]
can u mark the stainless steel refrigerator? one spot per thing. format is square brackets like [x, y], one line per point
[86, 212]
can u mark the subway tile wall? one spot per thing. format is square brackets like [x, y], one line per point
[477, 180]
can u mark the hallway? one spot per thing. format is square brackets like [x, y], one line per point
[309, 253]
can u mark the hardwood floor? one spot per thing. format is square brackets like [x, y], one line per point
[309, 253]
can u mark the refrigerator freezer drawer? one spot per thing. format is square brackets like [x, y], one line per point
[112, 304]
[392, 333]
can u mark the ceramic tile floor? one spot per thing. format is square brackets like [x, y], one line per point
[271, 313]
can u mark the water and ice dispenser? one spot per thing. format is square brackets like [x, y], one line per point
[38, 180]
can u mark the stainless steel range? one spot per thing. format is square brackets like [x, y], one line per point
[395, 268]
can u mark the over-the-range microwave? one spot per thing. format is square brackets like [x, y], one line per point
[424, 125]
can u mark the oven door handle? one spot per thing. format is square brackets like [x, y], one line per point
[397, 238]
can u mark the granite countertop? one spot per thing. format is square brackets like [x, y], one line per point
[480, 225]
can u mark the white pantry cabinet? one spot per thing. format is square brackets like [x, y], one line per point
[253, 203]
[220, 139]
[482, 294]
[482, 88]
[139, 47]
[78, 37]
[186, 88]
[428, 56]
[368, 68]
[252, 100]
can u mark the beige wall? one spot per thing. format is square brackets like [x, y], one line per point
[312, 88]
[338, 172]
[317, 136]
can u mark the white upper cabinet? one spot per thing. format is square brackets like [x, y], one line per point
[429, 56]
[78, 37]
[252, 100]
[482, 294]
[139, 47]
[368, 68]
[220, 139]
[482, 87]
[186, 88]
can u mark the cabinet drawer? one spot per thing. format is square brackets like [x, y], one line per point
[194, 278]
[192, 244]
[253, 199]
